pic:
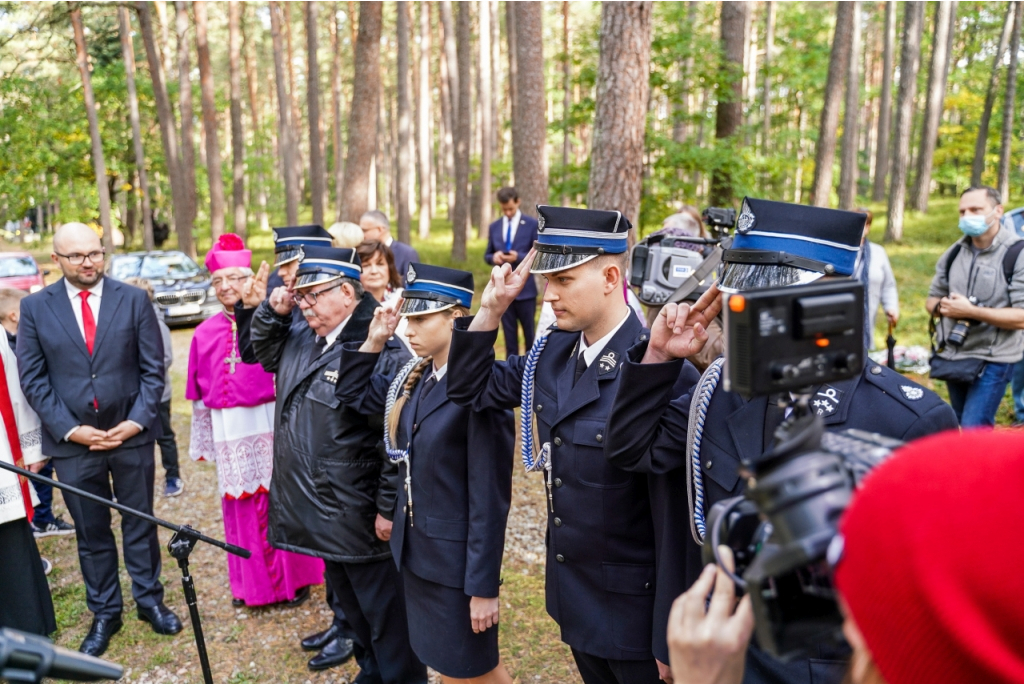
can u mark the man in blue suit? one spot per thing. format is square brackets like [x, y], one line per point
[91, 363]
[509, 240]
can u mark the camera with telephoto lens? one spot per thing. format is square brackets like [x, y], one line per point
[962, 327]
[789, 341]
[662, 261]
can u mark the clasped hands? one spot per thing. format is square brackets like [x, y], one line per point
[956, 306]
[101, 440]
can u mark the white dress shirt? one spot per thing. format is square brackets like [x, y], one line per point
[516, 218]
[333, 335]
[95, 298]
[439, 373]
[590, 352]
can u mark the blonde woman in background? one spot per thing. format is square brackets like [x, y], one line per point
[346, 234]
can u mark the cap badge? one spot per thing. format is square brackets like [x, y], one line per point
[276, 237]
[746, 220]
[607, 362]
[410, 275]
[826, 401]
[912, 393]
[540, 222]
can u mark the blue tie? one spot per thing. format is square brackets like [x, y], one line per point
[508, 235]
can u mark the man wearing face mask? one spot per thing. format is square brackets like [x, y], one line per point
[977, 295]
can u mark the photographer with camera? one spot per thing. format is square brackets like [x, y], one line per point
[977, 295]
[693, 438]
[919, 605]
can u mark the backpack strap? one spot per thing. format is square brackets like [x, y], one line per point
[1009, 260]
[952, 257]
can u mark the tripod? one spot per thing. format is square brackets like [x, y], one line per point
[180, 547]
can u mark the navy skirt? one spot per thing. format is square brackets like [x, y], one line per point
[441, 631]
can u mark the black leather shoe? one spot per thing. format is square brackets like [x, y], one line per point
[162, 619]
[300, 597]
[317, 641]
[237, 603]
[335, 653]
[98, 639]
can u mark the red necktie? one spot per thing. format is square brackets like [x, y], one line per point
[88, 322]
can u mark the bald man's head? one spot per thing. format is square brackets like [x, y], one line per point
[76, 242]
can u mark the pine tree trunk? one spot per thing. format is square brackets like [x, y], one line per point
[566, 101]
[447, 136]
[825, 148]
[769, 47]
[1009, 105]
[252, 81]
[317, 167]
[213, 161]
[237, 134]
[339, 167]
[363, 115]
[942, 44]
[424, 118]
[910, 61]
[729, 112]
[284, 124]
[188, 150]
[484, 96]
[404, 176]
[460, 215]
[98, 165]
[168, 133]
[448, 25]
[529, 127]
[981, 142]
[885, 106]
[848, 171]
[128, 51]
[295, 117]
[165, 35]
[616, 160]
[513, 74]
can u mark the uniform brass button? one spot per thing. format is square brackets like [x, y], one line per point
[643, 337]
[540, 408]
[558, 522]
[558, 482]
[647, 586]
[707, 464]
[599, 437]
[559, 558]
[558, 442]
[415, 426]
[876, 370]
[94, 375]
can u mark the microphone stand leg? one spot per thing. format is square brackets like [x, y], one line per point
[180, 547]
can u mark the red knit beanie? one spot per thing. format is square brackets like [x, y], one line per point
[933, 563]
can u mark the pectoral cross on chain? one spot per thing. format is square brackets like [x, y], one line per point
[234, 358]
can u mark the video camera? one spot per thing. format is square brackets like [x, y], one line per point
[663, 261]
[790, 340]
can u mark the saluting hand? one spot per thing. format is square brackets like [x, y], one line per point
[382, 327]
[281, 301]
[483, 612]
[502, 289]
[254, 290]
[680, 330]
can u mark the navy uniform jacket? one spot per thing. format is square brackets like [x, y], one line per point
[526, 235]
[648, 429]
[600, 538]
[461, 478]
[404, 256]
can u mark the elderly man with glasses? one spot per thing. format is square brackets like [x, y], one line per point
[333, 495]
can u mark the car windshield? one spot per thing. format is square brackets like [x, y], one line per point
[172, 265]
[18, 266]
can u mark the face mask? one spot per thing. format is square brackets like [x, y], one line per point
[974, 225]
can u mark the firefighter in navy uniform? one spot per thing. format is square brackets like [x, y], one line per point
[600, 573]
[655, 425]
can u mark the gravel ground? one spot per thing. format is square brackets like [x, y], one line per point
[261, 645]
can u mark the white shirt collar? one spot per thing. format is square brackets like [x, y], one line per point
[96, 290]
[590, 352]
[439, 373]
[513, 222]
[333, 335]
[387, 241]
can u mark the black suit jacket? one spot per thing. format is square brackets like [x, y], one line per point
[125, 373]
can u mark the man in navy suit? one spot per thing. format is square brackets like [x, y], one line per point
[509, 239]
[91, 362]
[376, 226]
